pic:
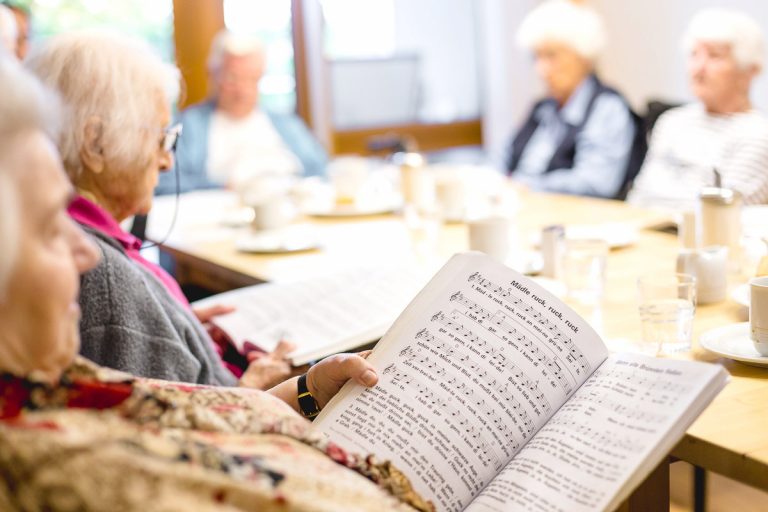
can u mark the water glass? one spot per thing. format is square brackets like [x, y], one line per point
[667, 304]
[424, 226]
[584, 270]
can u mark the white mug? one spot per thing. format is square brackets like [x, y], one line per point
[348, 175]
[491, 235]
[710, 267]
[451, 197]
[272, 212]
[758, 314]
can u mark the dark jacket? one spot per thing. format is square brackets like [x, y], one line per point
[565, 154]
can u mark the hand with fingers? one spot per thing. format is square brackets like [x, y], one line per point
[326, 378]
[207, 314]
[268, 369]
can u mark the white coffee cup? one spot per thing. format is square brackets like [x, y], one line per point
[758, 314]
[491, 235]
[710, 267]
[451, 197]
[272, 212]
[348, 175]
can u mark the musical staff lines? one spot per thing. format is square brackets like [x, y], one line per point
[595, 435]
[633, 414]
[496, 357]
[455, 323]
[453, 383]
[471, 434]
[656, 390]
[557, 339]
[487, 370]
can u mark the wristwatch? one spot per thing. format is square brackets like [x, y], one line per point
[307, 403]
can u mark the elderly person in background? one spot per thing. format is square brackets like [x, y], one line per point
[229, 138]
[8, 31]
[74, 436]
[117, 140]
[720, 131]
[583, 138]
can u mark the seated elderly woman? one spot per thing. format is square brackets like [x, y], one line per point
[583, 138]
[74, 436]
[135, 317]
[722, 130]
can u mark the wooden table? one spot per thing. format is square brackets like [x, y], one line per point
[730, 437]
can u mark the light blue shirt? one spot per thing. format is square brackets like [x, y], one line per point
[603, 146]
[192, 149]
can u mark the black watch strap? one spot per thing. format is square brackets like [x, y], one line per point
[307, 403]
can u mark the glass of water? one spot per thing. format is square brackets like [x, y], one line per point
[584, 270]
[667, 304]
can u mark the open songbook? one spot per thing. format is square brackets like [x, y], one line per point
[321, 316]
[494, 395]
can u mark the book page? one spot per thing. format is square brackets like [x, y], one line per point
[475, 365]
[607, 438]
[321, 316]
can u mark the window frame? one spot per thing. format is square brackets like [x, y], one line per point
[196, 22]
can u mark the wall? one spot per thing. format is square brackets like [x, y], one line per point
[645, 58]
[508, 85]
[444, 34]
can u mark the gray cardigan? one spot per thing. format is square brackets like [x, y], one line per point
[130, 322]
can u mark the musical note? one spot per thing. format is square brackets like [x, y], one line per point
[556, 338]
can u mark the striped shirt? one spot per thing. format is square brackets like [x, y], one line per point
[688, 143]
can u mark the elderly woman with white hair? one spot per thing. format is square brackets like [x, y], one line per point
[583, 138]
[721, 131]
[116, 142]
[75, 436]
[230, 137]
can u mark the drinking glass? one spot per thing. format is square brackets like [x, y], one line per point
[584, 270]
[667, 304]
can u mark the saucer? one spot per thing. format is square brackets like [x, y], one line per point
[352, 210]
[732, 341]
[237, 218]
[277, 241]
[740, 295]
[526, 262]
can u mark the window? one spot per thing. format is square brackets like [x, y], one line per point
[151, 20]
[270, 21]
[400, 61]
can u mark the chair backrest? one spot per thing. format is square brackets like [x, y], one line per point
[643, 128]
[636, 156]
[654, 110]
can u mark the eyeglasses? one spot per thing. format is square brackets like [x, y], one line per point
[171, 137]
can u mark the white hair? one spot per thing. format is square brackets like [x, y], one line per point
[9, 30]
[576, 26]
[25, 106]
[735, 28]
[231, 43]
[115, 78]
